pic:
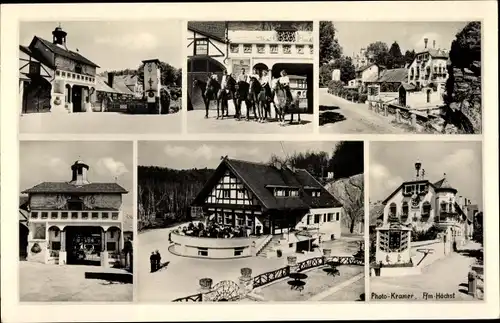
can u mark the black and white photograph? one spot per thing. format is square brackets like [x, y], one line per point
[250, 76]
[254, 222]
[100, 77]
[400, 77]
[426, 221]
[76, 221]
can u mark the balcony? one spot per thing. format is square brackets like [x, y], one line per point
[271, 36]
[69, 215]
[77, 78]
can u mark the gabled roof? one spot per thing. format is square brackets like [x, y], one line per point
[64, 52]
[127, 79]
[364, 67]
[120, 87]
[212, 29]
[395, 75]
[442, 184]
[102, 86]
[436, 53]
[408, 86]
[63, 187]
[257, 177]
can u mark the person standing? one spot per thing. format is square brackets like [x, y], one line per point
[152, 261]
[158, 260]
[242, 77]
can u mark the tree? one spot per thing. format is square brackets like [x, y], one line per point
[409, 56]
[466, 48]
[378, 52]
[347, 69]
[329, 47]
[169, 74]
[350, 192]
[395, 58]
[347, 159]
[325, 74]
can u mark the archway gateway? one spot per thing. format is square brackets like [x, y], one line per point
[83, 245]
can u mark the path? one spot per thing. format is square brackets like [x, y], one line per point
[353, 117]
[446, 275]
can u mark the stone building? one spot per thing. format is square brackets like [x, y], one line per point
[74, 222]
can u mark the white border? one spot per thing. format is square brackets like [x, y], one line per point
[12, 311]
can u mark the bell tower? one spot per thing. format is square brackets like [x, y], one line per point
[59, 36]
[79, 173]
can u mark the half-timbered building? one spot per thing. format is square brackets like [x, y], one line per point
[270, 200]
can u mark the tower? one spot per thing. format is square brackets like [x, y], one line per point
[59, 36]
[418, 165]
[79, 173]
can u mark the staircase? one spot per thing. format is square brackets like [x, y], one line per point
[269, 246]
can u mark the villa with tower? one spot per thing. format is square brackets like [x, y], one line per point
[73, 222]
[416, 205]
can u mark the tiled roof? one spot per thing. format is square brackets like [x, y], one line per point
[66, 53]
[120, 87]
[102, 86]
[396, 75]
[443, 184]
[212, 29]
[408, 86]
[257, 177]
[362, 68]
[436, 53]
[63, 187]
[127, 79]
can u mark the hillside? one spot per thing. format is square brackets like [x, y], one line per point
[350, 192]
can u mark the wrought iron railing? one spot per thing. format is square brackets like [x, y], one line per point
[310, 263]
[270, 276]
[190, 298]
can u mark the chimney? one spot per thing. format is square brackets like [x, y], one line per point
[434, 43]
[111, 76]
[425, 42]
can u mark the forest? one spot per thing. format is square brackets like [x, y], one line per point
[165, 195]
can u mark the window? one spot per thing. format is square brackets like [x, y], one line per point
[219, 218]
[324, 217]
[287, 49]
[261, 49]
[338, 216]
[85, 215]
[426, 209]
[300, 49]
[34, 68]
[105, 215]
[34, 215]
[227, 219]
[392, 209]
[279, 193]
[422, 188]
[330, 217]
[45, 215]
[240, 220]
[308, 219]
[74, 215]
[64, 215]
[237, 251]
[273, 49]
[316, 218]
[443, 206]
[111, 246]
[78, 69]
[405, 211]
[39, 231]
[54, 215]
[247, 49]
[234, 48]
[408, 189]
[201, 47]
[249, 222]
[302, 84]
[226, 193]
[112, 234]
[204, 252]
[55, 245]
[114, 216]
[240, 193]
[95, 215]
[294, 193]
[290, 245]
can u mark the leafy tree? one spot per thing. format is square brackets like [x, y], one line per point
[347, 69]
[395, 58]
[329, 47]
[169, 74]
[379, 52]
[409, 56]
[347, 159]
[325, 74]
[466, 48]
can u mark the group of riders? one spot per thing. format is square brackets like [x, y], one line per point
[261, 89]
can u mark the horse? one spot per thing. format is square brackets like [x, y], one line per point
[281, 104]
[225, 94]
[242, 95]
[260, 99]
[209, 92]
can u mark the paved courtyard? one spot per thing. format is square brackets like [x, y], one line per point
[180, 276]
[446, 276]
[53, 283]
[99, 122]
[196, 123]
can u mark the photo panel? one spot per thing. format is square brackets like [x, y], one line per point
[383, 77]
[86, 77]
[250, 76]
[426, 221]
[76, 221]
[264, 221]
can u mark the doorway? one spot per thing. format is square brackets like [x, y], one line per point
[23, 241]
[83, 245]
[76, 98]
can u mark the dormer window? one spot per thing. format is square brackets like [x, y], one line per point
[316, 193]
[279, 193]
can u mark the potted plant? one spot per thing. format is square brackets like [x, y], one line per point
[246, 272]
[206, 283]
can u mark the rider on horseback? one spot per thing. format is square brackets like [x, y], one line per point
[285, 81]
[265, 82]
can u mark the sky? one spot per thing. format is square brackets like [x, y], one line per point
[115, 45]
[50, 161]
[197, 154]
[353, 36]
[391, 163]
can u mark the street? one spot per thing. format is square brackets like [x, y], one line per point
[345, 117]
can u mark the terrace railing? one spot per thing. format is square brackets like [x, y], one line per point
[269, 277]
[190, 298]
[310, 263]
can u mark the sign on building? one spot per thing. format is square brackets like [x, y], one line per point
[336, 75]
[239, 64]
[152, 79]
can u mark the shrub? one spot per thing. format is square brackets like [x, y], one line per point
[362, 98]
[36, 248]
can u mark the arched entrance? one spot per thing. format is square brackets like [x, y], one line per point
[260, 67]
[199, 68]
[83, 244]
[303, 70]
[23, 241]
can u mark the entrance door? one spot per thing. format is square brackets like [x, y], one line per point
[76, 98]
[83, 245]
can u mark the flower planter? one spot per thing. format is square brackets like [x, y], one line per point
[327, 252]
[246, 272]
[206, 283]
[292, 260]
